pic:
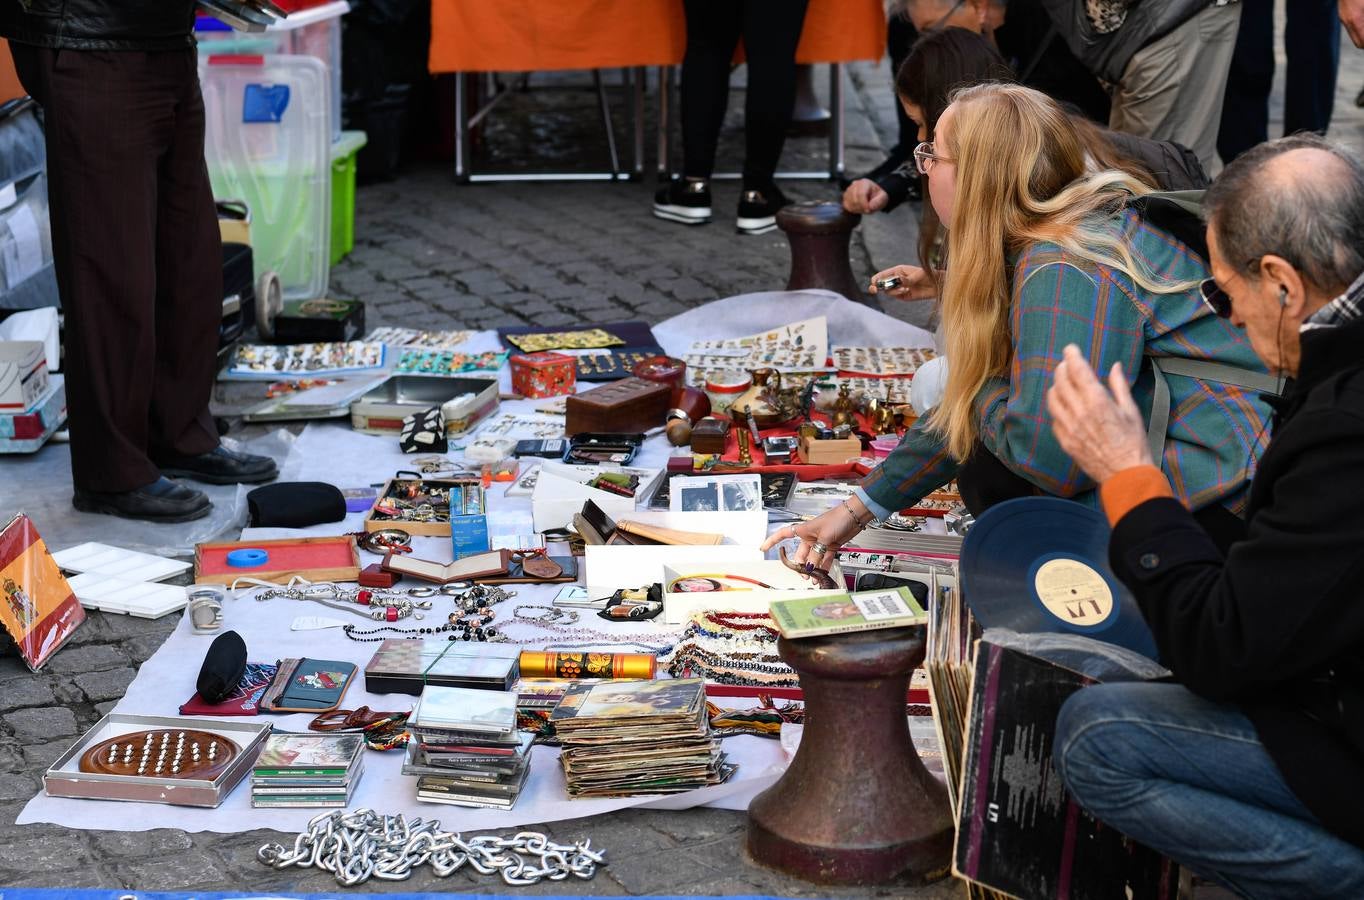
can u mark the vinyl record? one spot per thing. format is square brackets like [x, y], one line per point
[1041, 564]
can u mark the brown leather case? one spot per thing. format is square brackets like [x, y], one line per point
[710, 435]
[629, 405]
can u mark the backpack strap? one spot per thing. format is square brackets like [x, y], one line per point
[1204, 370]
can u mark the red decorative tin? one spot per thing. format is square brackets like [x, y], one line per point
[544, 374]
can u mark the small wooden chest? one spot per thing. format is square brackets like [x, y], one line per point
[629, 405]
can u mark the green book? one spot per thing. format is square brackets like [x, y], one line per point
[858, 611]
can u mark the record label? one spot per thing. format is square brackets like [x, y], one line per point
[1040, 564]
[1073, 592]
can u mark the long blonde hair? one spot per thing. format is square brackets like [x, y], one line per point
[1020, 180]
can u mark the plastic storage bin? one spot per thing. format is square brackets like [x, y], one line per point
[27, 277]
[345, 150]
[313, 31]
[268, 144]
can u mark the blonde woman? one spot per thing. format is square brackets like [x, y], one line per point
[1043, 255]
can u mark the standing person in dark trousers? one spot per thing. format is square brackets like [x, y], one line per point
[136, 246]
[1312, 44]
[770, 30]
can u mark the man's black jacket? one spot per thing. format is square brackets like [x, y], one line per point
[1277, 628]
[99, 24]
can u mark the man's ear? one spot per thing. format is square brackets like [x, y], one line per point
[1279, 274]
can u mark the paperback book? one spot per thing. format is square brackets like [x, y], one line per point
[802, 617]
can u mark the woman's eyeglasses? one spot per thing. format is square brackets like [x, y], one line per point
[1215, 298]
[924, 157]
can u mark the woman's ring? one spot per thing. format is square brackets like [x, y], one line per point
[819, 550]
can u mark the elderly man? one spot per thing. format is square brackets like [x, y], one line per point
[1251, 769]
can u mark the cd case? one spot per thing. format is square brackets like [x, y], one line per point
[402, 666]
[65, 779]
[491, 712]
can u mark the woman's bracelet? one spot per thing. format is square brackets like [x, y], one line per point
[856, 521]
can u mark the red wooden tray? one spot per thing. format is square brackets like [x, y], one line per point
[333, 558]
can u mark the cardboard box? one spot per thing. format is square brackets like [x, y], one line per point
[784, 584]
[27, 431]
[610, 566]
[23, 375]
[561, 490]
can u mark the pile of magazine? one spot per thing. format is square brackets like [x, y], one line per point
[465, 748]
[622, 738]
[307, 770]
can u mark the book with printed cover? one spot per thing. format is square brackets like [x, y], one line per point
[858, 611]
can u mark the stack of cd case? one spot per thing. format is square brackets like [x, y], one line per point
[297, 770]
[465, 748]
[402, 666]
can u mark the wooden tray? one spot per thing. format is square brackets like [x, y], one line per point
[424, 529]
[332, 558]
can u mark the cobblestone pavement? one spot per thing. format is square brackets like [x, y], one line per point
[434, 254]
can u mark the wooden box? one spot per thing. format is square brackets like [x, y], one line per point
[544, 374]
[829, 452]
[440, 527]
[625, 406]
[333, 558]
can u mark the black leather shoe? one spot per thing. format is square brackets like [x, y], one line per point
[161, 501]
[220, 466]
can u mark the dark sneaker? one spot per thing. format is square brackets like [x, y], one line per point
[758, 210]
[161, 501]
[221, 466]
[686, 201]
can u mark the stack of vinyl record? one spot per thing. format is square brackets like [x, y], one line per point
[466, 749]
[622, 738]
[307, 770]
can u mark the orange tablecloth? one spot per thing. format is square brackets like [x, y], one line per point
[535, 35]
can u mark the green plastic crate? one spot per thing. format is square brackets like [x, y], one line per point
[344, 152]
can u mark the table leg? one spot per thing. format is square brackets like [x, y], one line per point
[636, 78]
[836, 162]
[605, 107]
[461, 129]
[665, 160]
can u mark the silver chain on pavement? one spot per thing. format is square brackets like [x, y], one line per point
[355, 845]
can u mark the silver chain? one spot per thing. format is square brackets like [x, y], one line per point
[345, 600]
[355, 845]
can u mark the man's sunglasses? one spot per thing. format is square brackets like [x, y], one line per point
[1215, 299]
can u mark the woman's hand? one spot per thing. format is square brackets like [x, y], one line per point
[865, 196]
[824, 534]
[915, 283]
[1352, 17]
[1102, 432]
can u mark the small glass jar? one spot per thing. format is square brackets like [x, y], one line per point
[724, 388]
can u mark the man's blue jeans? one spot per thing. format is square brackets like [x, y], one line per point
[1190, 778]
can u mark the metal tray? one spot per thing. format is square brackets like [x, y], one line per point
[381, 410]
[65, 779]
